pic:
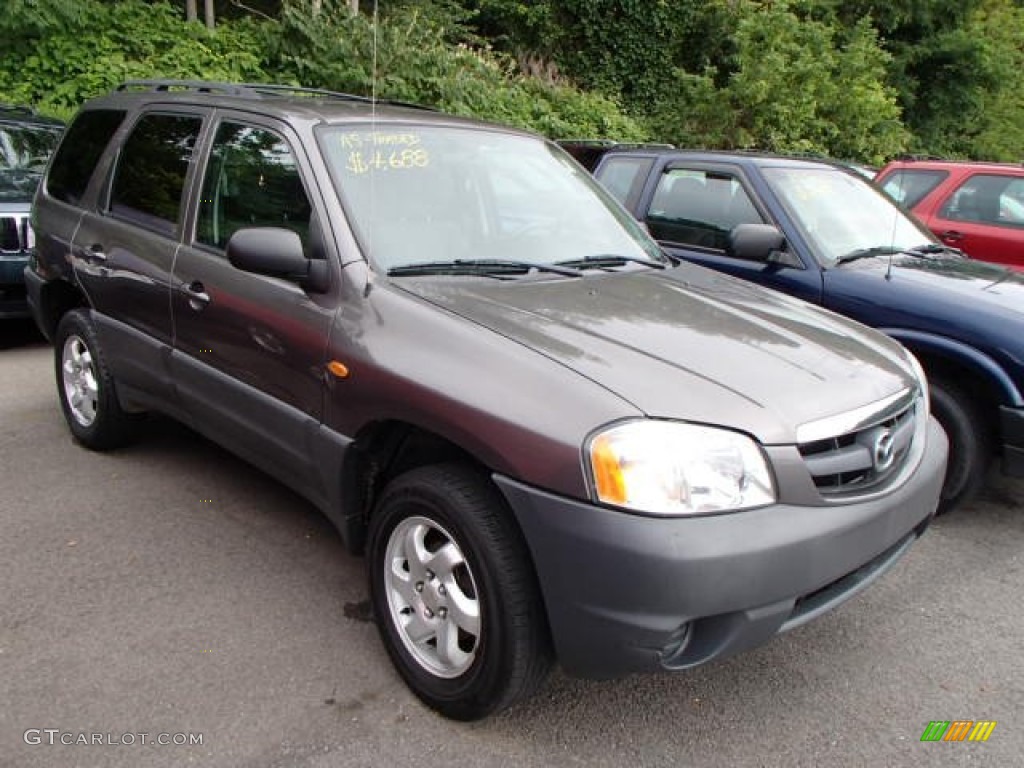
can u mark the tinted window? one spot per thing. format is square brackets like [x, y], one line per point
[151, 172]
[252, 180]
[910, 187]
[987, 199]
[699, 208]
[623, 176]
[81, 149]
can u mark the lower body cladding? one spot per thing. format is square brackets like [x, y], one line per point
[1012, 423]
[627, 593]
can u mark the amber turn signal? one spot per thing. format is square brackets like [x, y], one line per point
[338, 369]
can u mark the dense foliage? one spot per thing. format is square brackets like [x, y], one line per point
[861, 79]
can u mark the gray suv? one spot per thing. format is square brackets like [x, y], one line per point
[550, 440]
[26, 141]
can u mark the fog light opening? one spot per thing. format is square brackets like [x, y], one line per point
[677, 643]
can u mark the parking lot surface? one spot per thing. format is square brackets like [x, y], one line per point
[171, 590]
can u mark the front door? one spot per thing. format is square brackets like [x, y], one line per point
[249, 350]
[694, 208]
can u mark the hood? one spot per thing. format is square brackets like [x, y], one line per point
[689, 344]
[18, 186]
[986, 286]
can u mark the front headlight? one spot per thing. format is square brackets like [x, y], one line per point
[670, 468]
[922, 381]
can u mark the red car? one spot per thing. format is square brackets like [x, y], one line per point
[976, 207]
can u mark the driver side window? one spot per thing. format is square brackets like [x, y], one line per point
[696, 207]
[252, 180]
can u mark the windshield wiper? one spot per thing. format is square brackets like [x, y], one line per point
[928, 249]
[494, 267]
[868, 253]
[608, 260]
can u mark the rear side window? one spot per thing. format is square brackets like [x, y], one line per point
[79, 153]
[695, 207]
[151, 172]
[624, 176]
[908, 188]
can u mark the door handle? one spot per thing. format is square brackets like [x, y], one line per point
[198, 298]
[952, 236]
[94, 253]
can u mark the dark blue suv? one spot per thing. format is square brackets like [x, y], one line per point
[26, 142]
[820, 232]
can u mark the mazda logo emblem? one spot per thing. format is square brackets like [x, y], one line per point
[883, 451]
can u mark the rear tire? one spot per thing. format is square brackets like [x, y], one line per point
[87, 391]
[970, 444]
[454, 592]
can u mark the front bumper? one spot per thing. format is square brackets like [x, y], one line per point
[12, 285]
[627, 593]
[1012, 430]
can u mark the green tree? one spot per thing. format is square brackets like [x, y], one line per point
[792, 85]
[954, 65]
[62, 52]
[408, 57]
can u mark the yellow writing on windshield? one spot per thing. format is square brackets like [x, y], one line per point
[356, 140]
[362, 161]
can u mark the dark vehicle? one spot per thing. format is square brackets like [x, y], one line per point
[26, 141]
[547, 441]
[819, 232]
[976, 207]
[588, 152]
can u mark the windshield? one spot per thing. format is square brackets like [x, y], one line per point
[432, 195]
[24, 151]
[841, 214]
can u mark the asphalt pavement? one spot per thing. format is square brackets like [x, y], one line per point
[169, 592]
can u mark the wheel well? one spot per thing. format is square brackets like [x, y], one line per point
[984, 393]
[56, 299]
[382, 451]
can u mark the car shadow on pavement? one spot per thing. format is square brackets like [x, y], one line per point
[20, 333]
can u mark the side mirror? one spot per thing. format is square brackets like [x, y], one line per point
[760, 242]
[278, 253]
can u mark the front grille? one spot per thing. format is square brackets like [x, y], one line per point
[15, 234]
[863, 459]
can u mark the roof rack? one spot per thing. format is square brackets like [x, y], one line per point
[19, 110]
[911, 158]
[612, 144]
[255, 91]
[25, 114]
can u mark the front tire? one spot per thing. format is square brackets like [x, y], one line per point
[970, 444]
[87, 391]
[454, 593]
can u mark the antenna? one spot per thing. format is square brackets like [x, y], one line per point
[373, 132]
[373, 75]
[895, 221]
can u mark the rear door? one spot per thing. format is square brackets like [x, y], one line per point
[125, 246]
[249, 350]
